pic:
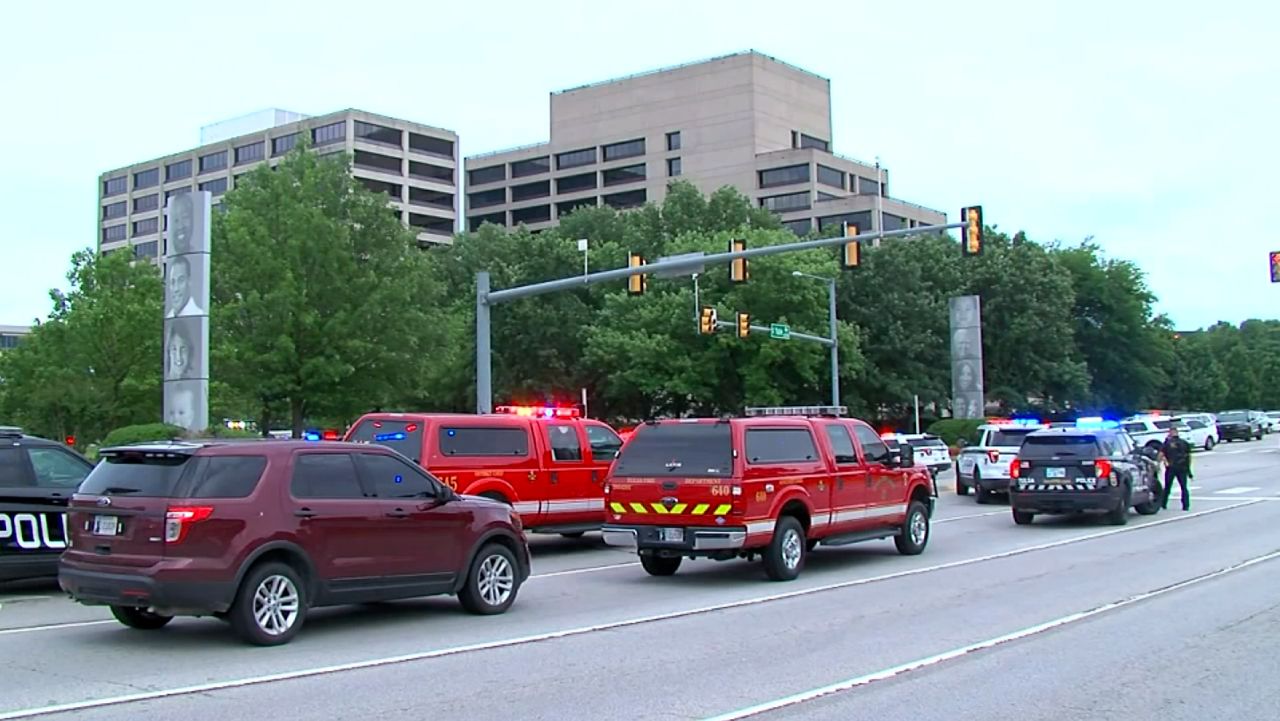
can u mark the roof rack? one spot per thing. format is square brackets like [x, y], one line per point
[10, 432]
[796, 410]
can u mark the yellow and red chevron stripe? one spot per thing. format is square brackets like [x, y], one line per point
[679, 509]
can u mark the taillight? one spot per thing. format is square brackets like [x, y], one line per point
[1102, 468]
[993, 456]
[178, 520]
[1015, 469]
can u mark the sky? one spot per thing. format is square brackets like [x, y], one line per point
[1151, 131]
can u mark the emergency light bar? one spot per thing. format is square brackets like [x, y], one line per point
[539, 411]
[1096, 422]
[1015, 422]
[796, 410]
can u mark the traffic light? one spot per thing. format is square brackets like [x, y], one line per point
[852, 257]
[638, 283]
[744, 325]
[971, 242]
[1275, 266]
[707, 320]
[738, 267]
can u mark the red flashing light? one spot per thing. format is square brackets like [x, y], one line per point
[377, 424]
[1102, 468]
[330, 434]
[411, 428]
[540, 411]
[70, 440]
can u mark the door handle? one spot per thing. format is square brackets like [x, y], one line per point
[555, 477]
[304, 513]
[595, 475]
[398, 513]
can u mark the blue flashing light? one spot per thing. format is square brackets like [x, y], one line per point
[397, 436]
[310, 436]
[1096, 422]
[1027, 422]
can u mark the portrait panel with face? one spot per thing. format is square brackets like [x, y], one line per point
[966, 377]
[188, 217]
[965, 344]
[964, 311]
[186, 290]
[184, 348]
[186, 404]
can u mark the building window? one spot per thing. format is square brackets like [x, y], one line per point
[830, 176]
[431, 224]
[787, 175]
[474, 222]
[427, 171]
[563, 209]
[329, 134]
[862, 219]
[625, 149]
[435, 198]
[146, 202]
[575, 183]
[148, 249]
[626, 174]
[217, 186]
[528, 191]
[673, 140]
[376, 161]
[575, 158]
[532, 166]
[800, 227]
[786, 203]
[673, 167]
[808, 141]
[176, 191]
[115, 210]
[177, 171]
[250, 153]
[377, 133]
[146, 227]
[380, 186]
[486, 198]
[491, 174]
[867, 186]
[283, 144]
[115, 186]
[115, 232]
[431, 146]
[535, 214]
[892, 222]
[213, 161]
[146, 178]
[629, 199]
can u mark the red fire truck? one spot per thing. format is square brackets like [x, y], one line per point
[548, 462]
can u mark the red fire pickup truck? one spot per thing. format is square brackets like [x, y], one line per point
[773, 484]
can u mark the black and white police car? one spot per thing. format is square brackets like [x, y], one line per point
[37, 478]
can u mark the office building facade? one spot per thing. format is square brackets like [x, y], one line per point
[415, 165]
[11, 336]
[745, 120]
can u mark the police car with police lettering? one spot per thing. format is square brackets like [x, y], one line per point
[37, 478]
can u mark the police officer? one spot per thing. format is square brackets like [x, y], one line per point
[1177, 464]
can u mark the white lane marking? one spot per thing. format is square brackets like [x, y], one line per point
[955, 653]
[973, 515]
[589, 569]
[1237, 490]
[579, 631]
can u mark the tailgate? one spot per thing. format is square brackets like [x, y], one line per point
[667, 501]
[674, 472]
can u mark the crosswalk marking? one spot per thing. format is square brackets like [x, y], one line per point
[1238, 490]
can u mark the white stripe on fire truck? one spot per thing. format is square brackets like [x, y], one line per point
[761, 526]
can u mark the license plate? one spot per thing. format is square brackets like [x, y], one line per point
[106, 525]
[671, 535]
[1055, 473]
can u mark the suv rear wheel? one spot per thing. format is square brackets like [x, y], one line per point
[784, 557]
[1119, 515]
[491, 585]
[1023, 518]
[270, 605]
[660, 565]
[139, 618]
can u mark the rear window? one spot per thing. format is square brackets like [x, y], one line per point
[926, 443]
[481, 441]
[1006, 438]
[136, 473]
[1233, 417]
[223, 476]
[1060, 446]
[681, 449]
[402, 435]
[780, 445]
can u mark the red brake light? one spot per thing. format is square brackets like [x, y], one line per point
[1102, 468]
[993, 456]
[178, 520]
[1015, 468]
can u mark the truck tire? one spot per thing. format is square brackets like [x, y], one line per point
[784, 558]
[914, 535]
[1119, 515]
[1023, 518]
[660, 565]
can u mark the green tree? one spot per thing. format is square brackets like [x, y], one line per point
[320, 294]
[95, 363]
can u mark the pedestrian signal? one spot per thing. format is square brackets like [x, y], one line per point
[707, 320]
[638, 283]
[1275, 266]
[852, 256]
[744, 325]
[971, 242]
[738, 266]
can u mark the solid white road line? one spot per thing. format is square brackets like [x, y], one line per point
[1237, 490]
[936, 521]
[581, 630]
[955, 653]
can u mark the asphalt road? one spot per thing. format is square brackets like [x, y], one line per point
[1173, 616]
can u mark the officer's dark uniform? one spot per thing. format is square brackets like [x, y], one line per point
[1177, 455]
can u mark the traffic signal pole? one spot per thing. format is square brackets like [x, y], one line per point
[485, 298]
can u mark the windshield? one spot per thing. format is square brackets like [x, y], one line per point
[135, 473]
[677, 449]
[1063, 446]
[1233, 417]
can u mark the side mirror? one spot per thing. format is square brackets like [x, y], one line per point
[906, 456]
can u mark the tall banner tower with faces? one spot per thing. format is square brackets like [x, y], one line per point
[967, 393]
[186, 310]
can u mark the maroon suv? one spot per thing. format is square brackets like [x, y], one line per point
[257, 532]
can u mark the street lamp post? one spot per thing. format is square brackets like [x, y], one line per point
[831, 329]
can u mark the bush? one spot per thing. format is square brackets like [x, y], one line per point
[221, 431]
[952, 430]
[143, 433]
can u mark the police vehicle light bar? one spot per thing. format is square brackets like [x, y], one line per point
[539, 411]
[796, 410]
[1096, 422]
[10, 432]
[1015, 422]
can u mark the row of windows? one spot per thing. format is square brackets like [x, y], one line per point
[787, 203]
[567, 184]
[801, 140]
[568, 159]
[542, 213]
[147, 226]
[251, 153]
[149, 249]
[792, 174]
[862, 219]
